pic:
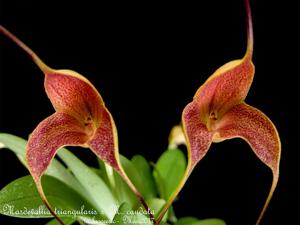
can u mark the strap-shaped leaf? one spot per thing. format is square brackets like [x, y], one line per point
[168, 172]
[56, 169]
[195, 221]
[21, 199]
[125, 216]
[93, 184]
[67, 221]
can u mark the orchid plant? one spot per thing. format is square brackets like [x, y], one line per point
[123, 191]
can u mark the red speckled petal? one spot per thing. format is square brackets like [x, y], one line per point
[71, 93]
[197, 136]
[198, 140]
[68, 91]
[257, 129]
[104, 143]
[54, 132]
[227, 87]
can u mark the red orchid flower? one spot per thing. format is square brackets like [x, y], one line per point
[218, 112]
[80, 119]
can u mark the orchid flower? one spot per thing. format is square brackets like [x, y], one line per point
[80, 119]
[218, 112]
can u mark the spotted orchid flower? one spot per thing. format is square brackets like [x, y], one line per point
[218, 112]
[80, 119]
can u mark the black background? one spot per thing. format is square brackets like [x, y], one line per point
[147, 60]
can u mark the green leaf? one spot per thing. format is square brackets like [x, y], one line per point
[67, 221]
[132, 173]
[156, 204]
[195, 221]
[168, 171]
[103, 173]
[117, 185]
[186, 221]
[15, 143]
[119, 218]
[144, 170]
[139, 172]
[123, 192]
[21, 199]
[96, 171]
[56, 169]
[211, 222]
[171, 215]
[125, 215]
[95, 187]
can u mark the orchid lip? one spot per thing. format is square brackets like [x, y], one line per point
[216, 138]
